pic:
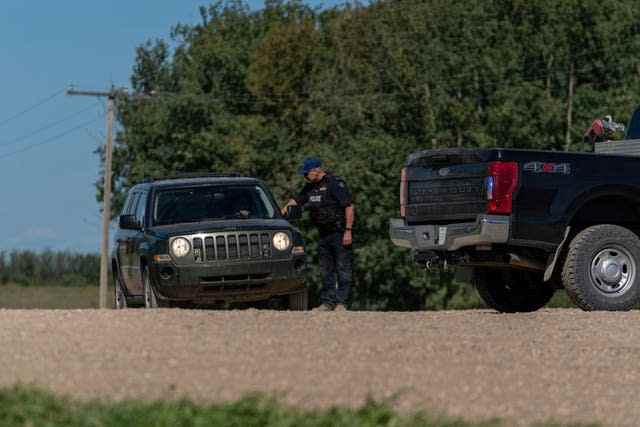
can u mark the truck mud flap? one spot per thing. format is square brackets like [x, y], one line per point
[548, 272]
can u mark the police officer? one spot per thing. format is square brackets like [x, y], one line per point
[330, 205]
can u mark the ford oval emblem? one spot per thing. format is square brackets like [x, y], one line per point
[444, 171]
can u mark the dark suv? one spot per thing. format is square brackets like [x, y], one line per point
[206, 240]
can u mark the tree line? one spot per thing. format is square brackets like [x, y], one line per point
[362, 86]
[49, 268]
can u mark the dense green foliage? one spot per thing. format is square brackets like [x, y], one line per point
[362, 87]
[20, 406]
[49, 268]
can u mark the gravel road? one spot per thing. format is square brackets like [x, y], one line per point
[561, 364]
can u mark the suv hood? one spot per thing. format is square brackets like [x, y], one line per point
[220, 226]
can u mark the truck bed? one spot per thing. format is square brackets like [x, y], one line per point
[629, 147]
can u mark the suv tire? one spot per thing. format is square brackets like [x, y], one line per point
[119, 297]
[512, 290]
[150, 298]
[601, 269]
[299, 301]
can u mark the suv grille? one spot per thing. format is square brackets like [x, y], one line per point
[231, 246]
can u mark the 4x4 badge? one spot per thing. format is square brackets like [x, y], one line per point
[542, 167]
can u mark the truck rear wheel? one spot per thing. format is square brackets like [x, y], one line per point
[601, 269]
[511, 290]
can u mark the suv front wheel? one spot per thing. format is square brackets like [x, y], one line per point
[150, 298]
[120, 298]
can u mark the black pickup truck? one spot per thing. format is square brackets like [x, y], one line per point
[527, 223]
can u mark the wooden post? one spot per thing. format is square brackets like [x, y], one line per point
[106, 209]
[106, 200]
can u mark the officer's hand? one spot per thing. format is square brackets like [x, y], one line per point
[347, 239]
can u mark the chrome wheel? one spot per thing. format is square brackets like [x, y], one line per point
[613, 270]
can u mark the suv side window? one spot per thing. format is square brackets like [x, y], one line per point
[141, 207]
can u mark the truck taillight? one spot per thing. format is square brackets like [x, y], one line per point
[403, 192]
[501, 184]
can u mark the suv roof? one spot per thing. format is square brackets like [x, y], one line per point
[185, 180]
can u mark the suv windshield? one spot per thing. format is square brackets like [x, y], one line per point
[195, 204]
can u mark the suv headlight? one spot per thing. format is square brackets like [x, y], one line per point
[281, 241]
[180, 247]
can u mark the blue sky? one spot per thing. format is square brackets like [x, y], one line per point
[47, 191]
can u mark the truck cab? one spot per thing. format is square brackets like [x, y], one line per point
[633, 130]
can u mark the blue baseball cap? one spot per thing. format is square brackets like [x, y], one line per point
[309, 164]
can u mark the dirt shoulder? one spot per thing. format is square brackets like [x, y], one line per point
[562, 364]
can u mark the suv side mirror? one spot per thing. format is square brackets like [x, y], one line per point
[129, 222]
[293, 213]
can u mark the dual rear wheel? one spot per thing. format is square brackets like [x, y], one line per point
[512, 291]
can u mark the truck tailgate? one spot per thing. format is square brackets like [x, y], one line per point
[445, 186]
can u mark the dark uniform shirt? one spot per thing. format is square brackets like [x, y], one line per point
[326, 201]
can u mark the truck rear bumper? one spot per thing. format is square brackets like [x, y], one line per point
[486, 230]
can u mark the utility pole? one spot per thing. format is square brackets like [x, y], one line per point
[106, 201]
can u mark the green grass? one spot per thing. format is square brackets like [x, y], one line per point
[25, 406]
[560, 300]
[58, 297]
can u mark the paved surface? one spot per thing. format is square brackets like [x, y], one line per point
[562, 364]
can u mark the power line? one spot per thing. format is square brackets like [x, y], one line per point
[33, 107]
[48, 140]
[47, 126]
